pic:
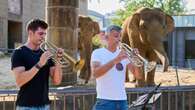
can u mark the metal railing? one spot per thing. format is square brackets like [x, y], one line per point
[82, 98]
[6, 49]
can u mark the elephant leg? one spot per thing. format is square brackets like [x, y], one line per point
[150, 78]
[88, 52]
[85, 71]
[82, 74]
[88, 72]
[140, 82]
[152, 56]
[126, 75]
[88, 75]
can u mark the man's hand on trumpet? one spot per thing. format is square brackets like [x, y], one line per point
[44, 58]
[122, 55]
[59, 54]
[135, 51]
[48, 55]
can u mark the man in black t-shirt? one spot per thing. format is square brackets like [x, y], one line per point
[32, 68]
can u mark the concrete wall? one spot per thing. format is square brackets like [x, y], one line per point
[177, 46]
[3, 23]
[83, 7]
[30, 9]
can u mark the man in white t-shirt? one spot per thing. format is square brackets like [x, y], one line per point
[108, 66]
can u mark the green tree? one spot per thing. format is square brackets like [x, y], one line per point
[171, 7]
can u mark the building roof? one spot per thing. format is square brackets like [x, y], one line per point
[94, 13]
[184, 21]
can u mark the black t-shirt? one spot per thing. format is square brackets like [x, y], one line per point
[34, 92]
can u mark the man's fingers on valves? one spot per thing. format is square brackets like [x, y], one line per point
[123, 55]
[48, 54]
[60, 52]
[135, 50]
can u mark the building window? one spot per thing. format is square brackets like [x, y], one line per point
[189, 49]
[15, 6]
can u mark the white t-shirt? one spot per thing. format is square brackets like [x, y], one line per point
[111, 85]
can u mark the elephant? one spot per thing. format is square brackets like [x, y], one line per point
[145, 30]
[88, 29]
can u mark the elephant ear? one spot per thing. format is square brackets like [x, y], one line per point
[96, 28]
[92, 28]
[81, 20]
[130, 28]
[137, 27]
[170, 23]
[134, 22]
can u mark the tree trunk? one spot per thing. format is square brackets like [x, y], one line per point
[62, 18]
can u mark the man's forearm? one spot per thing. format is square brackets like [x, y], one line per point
[24, 77]
[101, 70]
[57, 75]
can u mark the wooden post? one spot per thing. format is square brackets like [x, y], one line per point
[62, 17]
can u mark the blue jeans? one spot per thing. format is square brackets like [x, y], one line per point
[45, 107]
[102, 104]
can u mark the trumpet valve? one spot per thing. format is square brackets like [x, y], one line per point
[136, 61]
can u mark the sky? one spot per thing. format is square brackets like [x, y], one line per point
[107, 6]
[190, 4]
[104, 6]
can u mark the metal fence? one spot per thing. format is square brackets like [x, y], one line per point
[82, 98]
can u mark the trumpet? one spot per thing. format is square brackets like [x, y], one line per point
[137, 59]
[66, 59]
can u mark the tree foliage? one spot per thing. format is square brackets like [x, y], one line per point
[171, 7]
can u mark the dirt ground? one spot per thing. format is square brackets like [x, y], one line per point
[6, 77]
[186, 76]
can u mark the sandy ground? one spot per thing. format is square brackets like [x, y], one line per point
[186, 76]
[6, 76]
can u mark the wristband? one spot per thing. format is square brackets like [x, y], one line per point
[38, 66]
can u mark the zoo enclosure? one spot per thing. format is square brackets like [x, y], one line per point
[82, 98]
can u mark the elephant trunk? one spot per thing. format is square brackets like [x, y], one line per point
[164, 59]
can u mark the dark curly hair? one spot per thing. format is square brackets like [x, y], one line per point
[34, 24]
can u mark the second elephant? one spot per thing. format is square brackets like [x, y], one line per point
[145, 30]
[88, 29]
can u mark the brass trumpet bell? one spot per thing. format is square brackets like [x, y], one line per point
[66, 59]
[137, 59]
